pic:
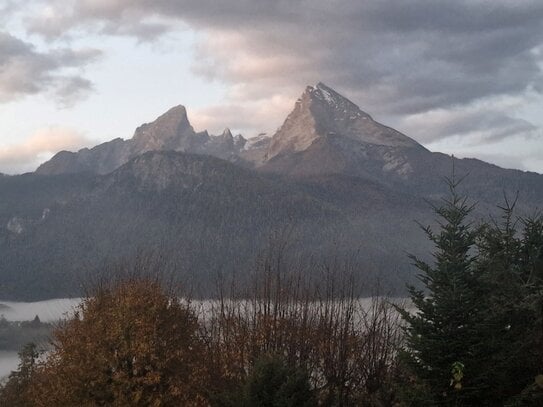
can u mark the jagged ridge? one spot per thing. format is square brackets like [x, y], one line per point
[171, 131]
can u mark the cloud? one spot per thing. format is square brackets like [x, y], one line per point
[26, 71]
[534, 160]
[475, 124]
[57, 18]
[244, 117]
[7, 8]
[400, 59]
[27, 155]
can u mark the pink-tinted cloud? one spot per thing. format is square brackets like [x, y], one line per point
[27, 155]
[249, 117]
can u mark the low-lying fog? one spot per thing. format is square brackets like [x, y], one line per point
[8, 362]
[47, 311]
[62, 308]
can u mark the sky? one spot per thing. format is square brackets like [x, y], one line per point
[462, 77]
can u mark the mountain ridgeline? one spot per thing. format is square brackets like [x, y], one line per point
[330, 181]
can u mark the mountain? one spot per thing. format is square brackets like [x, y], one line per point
[171, 131]
[324, 134]
[321, 112]
[328, 134]
[332, 181]
[205, 215]
[320, 117]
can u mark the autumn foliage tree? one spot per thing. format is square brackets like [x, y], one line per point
[128, 344]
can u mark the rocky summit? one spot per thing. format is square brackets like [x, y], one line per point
[171, 131]
[321, 112]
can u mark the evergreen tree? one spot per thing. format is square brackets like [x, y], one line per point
[273, 384]
[443, 350]
[14, 392]
[511, 264]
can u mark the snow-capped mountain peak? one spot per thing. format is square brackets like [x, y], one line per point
[335, 101]
[322, 112]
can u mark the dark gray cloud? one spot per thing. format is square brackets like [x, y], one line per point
[429, 54]
[394, 57]
[24, 70]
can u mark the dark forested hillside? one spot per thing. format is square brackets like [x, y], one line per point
[201, 213]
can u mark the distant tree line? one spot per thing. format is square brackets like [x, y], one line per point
[471, 334]
[14, 335]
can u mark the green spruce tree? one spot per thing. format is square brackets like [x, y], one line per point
[274, 384]
[511, 265]
[14, 392]
[443, 352]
